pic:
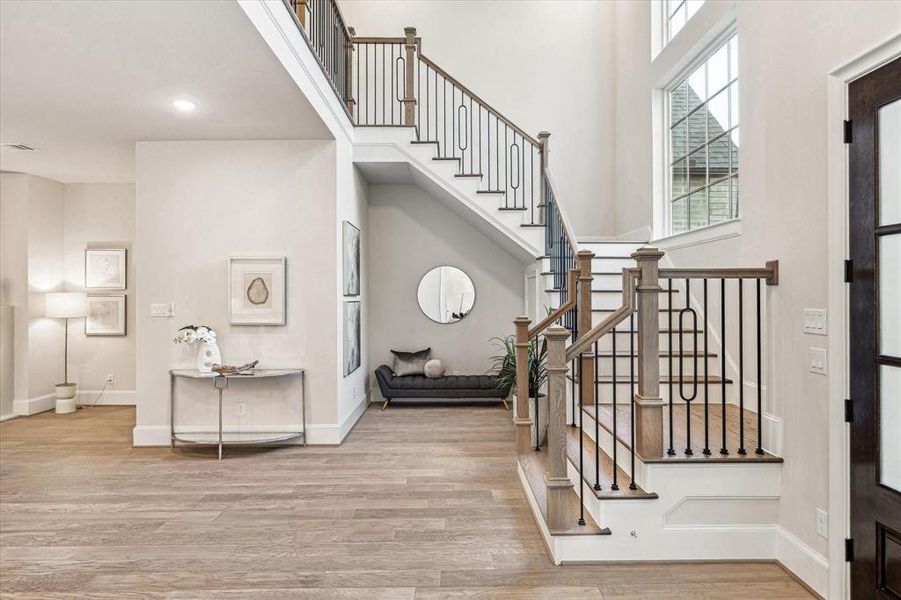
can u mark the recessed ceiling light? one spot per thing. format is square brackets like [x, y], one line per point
[184, 105]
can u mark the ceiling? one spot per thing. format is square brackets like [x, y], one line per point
[83, 81]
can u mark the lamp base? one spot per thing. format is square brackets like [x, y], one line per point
[65, 398]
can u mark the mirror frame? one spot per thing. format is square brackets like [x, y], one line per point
[419, 284]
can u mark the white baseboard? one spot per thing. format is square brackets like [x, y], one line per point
[33, 406]
[333, 435]
[150, 435]
[8, 417]
[807, 564]
[109, 398]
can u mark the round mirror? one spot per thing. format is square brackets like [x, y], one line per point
[446, 294]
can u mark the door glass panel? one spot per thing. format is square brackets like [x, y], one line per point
[889, 159]
[890, 295]
[890, 426]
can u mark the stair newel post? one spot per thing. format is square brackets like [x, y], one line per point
[583, 310]
[648, 403]
[559, 512]
[543, 148]
[349, 69]
[409, 98]
[521, 407]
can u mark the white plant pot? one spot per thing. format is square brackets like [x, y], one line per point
[65, 398]
[208, 355]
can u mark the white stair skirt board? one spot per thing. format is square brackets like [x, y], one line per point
[33, 406]
[387, 153]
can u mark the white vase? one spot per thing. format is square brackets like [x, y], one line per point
[207, 356]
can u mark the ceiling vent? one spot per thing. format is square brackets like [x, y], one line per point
[19, 147]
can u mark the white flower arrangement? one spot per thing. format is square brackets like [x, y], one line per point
[190, 334]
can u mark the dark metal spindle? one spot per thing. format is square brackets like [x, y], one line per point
[581, 453]
[759, 449]
[741, 370]
[669, 310]
[614, 486]
[706, 450]
[723, 450]
[632, 485]
[597, 418]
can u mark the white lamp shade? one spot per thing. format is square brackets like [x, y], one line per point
[66, 305]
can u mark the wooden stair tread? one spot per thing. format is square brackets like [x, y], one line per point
[624, 430]
[535, 467]
[490, 192]
[479, 175]
[589, 451]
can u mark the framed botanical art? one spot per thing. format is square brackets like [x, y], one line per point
[351, 260]
[104, 269]
[105, 315]
[256, 290]
[352, 327]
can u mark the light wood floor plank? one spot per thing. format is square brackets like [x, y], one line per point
[420, 502]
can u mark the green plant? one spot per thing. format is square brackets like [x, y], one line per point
[503, 365]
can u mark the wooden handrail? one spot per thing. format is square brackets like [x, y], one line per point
[613, 319]
[455, 81]
[555, 316]
[770, 273]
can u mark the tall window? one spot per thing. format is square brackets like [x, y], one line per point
[678, 12]
[704, 143]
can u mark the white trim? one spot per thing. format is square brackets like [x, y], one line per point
[150, 435]
[702, 235]
[837, 243]
[804, 562]
[32, 406]
[109, 398]
[8, 417]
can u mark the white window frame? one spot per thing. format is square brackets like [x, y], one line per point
[706, 233]
[666, 20]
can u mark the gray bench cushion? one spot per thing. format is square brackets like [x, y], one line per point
[449, 386]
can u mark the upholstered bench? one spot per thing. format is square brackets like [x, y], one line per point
[448, 386]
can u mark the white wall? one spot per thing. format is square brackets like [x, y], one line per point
[786, 50]
[33, 235]
[197, 204]
[546, 66]
[101, 215]
[411, 233]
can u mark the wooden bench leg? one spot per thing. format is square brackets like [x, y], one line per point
[385, 405]
[506, 406]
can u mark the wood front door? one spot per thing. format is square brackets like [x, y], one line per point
[874, 103]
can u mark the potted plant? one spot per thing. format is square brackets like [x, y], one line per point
[504, 368]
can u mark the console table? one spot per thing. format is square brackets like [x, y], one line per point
[220, 383]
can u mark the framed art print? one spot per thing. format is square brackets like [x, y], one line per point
[352, 327]
[351, 255]
[105, 315]
[104, 269]
[256, 290]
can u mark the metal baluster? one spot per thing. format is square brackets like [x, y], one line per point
[723, 450]
[597, 418]
[581, 453]
[669, 311]
[384, 87]
[614, 486]
[759, 449]
[682, 377]
[572, 371]
[741, 369]
[706, 450]
[632, 485]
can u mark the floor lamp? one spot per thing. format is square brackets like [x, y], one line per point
[66, 305]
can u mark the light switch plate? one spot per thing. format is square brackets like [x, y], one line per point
[816, 360]
[164, 310]
[815, 321]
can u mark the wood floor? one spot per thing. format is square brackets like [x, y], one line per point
[418, 503]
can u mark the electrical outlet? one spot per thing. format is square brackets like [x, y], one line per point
[815, 321]
[822, 523]
[241, 408]
[816, 360]
[110, 380]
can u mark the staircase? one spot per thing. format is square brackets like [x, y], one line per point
[655, 445]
